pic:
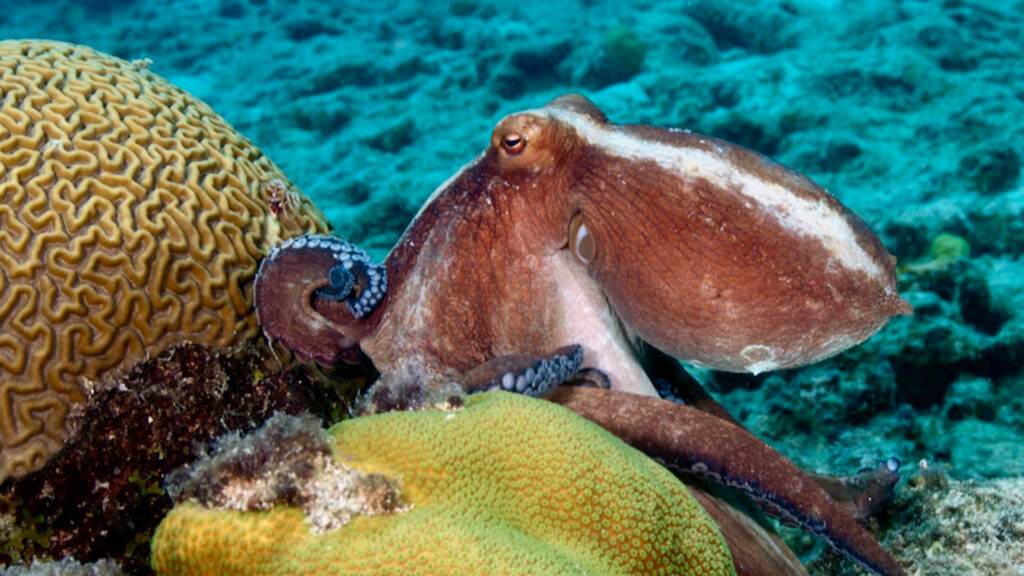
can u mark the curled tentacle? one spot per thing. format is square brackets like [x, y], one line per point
[341, 283]
[353, 279]
[690, 440]
[309, 268]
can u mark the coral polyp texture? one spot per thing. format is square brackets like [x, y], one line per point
[507, 485]
[132, 218]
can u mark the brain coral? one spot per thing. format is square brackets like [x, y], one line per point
[132, 218]
[510, 485]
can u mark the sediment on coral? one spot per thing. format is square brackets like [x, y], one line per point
[273, 461]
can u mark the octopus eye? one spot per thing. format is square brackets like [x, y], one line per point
[581, 243]
[513, 143]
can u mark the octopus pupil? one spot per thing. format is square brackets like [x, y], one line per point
[514, 143]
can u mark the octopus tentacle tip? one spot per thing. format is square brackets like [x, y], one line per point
[353, 279]
[304, 269]
[341, 283]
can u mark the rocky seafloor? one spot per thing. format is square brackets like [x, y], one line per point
[912, 113]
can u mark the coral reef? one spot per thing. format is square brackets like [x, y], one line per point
[897, 107]
[131, 219]
[505, 485]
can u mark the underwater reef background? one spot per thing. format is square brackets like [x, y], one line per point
[911, 113]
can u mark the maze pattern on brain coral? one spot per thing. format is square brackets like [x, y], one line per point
[132, 218]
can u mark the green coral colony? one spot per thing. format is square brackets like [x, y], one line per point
[505, 485]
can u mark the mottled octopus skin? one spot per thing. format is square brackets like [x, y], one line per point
[132, 218]
[709, 252]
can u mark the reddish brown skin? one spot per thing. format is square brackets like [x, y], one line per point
[508, 223]
[699, 292]
[473, 280]
[702, 279]
[284, 300]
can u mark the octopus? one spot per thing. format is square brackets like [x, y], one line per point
[578, 251]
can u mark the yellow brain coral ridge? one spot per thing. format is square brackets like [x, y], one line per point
[510, 485]
[132, 217]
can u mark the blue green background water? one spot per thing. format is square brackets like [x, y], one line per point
[912, 113]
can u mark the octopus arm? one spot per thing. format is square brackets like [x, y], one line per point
[690, 440]
[312, 291]
[863, 493]
[529, 375]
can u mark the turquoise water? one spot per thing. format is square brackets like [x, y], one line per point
[911, 113]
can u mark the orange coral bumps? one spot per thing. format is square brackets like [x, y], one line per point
[132, 217]
[509, 485]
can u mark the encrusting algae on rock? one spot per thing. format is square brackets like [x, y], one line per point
[286, 462]
[507, 485]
